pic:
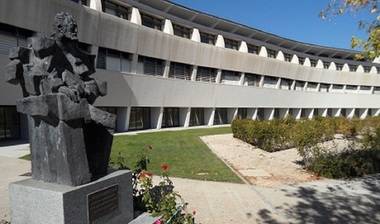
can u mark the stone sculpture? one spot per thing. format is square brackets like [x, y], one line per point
[70, 139]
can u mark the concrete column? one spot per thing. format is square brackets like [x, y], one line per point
[252, 113]
[330, 88]
[319, 87]
[168, 27]
[135, 16]
[184, 116]
[325, 112]
[278, 85]
[311, 113]
[283, 112]
[220, 41]
[305, 86]
[360, 69]
[319, 64]
[364, 113]
[337, 112]
[232, 114]
[373, 70]
[157, 115]
[307, 62]
[295, 60]
[293, 87]
[372, 90]
[376, 113]
[280, 56]
[166, 69]
[332, 66]
[345, 68]
[243, 47]
[242, 78]
[350, 113]
[261, 83]
[134, 63]
[209, 116]
[263, 52]
[298, 113]
[218, 78]
[96, 4]
[344, 88]
[358, 91]
[122, 119]
[194, 73]
[196, 36]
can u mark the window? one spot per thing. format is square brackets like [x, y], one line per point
[11, 37]
[286, 84]
[231, 44]
[339, 67]
[84, 2]
[207, 38]
[288, 57]
[242, 113]
[324, 87]
[367, 69]
[353, 68]
[270, 82]
[252, 80]
[378, 70]
[220, 116]
[114, 60]
[326, 65]
[205, 74]
[300, 85]
[253, 49]
[230, 77]
[376, 90]
[170, 118]
[301, 60]
[312, 86]
[9, 123]
[139, 118]
[180, 71]
[150, 21]
[181, 31]
[117, 10]
[197, 117]
[151, 66]
[313, 62]
[271, 53]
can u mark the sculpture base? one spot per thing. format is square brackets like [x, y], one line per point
[107, 200]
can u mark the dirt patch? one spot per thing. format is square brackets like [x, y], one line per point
[257, 166]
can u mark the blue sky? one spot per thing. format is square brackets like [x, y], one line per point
[294, 19]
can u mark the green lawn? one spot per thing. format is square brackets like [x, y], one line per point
[186, 154]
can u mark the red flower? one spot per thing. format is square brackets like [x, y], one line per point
[165, 167]
[194, 212]
[158, 222]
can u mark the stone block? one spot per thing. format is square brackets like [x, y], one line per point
[105, 201]
[13, 72]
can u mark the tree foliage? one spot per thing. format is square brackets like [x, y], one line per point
[370, 48]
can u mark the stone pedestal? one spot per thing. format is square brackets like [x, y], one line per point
[107, 200]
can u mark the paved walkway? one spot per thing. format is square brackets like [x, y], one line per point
[324, 201]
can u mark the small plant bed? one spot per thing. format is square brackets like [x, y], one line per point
[329, 147]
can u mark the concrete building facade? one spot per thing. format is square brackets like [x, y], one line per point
[170, 66]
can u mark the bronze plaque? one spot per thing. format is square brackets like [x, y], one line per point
[103, 202]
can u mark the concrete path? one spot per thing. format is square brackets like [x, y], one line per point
[14, 149]
[324, 201]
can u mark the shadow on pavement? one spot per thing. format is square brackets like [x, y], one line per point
[355, 201]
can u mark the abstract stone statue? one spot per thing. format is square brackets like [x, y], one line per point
[70, 139]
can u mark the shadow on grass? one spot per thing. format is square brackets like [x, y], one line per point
[338, 203]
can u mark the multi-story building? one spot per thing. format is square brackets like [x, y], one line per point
[171, 66]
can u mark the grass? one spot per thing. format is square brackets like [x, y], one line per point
[184, 151]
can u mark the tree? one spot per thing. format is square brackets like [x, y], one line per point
[370, 48]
